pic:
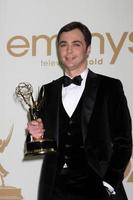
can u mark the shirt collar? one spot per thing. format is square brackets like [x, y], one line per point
[84, 74]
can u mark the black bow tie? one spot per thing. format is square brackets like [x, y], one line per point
[76, 80]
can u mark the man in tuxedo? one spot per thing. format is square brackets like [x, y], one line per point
[88, 116]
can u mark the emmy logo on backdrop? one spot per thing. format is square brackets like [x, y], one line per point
[24, 93]
[7, 192]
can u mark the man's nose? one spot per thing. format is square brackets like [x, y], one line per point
[69, 49]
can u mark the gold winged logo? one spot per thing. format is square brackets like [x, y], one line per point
[7, 192]
[3, 144]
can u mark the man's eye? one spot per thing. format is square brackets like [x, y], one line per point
[62, 45]
[77, 44]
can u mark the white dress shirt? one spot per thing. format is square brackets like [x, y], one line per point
[72, 94]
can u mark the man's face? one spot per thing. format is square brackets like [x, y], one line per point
[72, 50]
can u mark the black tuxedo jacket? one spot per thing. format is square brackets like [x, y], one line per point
[106, 128]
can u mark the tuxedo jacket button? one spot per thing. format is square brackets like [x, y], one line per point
[67, 145]
[70, 122]
[66, 157]
[68, 133]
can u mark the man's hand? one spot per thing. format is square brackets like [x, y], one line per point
[36, 129]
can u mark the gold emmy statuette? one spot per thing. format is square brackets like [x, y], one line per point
[24, 92]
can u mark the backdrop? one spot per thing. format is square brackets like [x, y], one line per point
[28, 30]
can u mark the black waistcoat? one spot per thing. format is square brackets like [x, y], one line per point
[78, 179]
[71, 149]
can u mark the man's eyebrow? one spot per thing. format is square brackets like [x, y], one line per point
[63, 41]
[75, 41]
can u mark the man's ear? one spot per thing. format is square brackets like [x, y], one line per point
[88, 50]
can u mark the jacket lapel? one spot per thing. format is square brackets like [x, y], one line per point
[89, 98]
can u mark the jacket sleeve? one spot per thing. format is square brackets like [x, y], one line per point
[121, 135]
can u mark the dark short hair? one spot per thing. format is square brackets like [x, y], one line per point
[76, 25]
